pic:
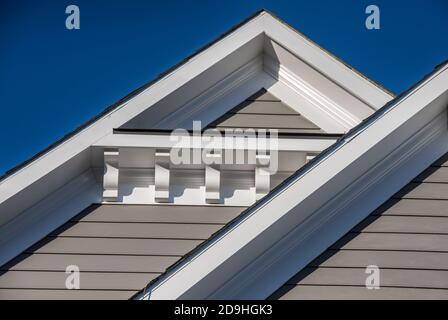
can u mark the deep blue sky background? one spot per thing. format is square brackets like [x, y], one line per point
[52, 79]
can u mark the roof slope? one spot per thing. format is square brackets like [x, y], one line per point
[407, 238]
[264, 111]
[118, 249]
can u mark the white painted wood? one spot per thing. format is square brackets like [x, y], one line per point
[325, 63]
[298, 95]
[162, 176]
[262, 176]
[213, 177]
[111, 174]
[163, 141]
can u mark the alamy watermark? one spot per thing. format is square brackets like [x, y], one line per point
[373, 280]
[233, 146]
[373, 18]
[73, 20]
[73, 280]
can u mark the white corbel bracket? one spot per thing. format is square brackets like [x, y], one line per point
[111, 173]
[162, 175]
[213, 177]
[262, 176]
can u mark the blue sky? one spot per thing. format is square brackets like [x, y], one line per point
[52, 80]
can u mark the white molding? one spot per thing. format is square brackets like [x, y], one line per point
[317, 100]
[346, 77]
[213, 177]
[162, 176]
[262, 176]
[372, 147]
[149, 140]
[111, 173]
[213, 94]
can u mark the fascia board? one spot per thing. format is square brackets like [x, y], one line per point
[346, 77]
[348, 157]
[165, 141]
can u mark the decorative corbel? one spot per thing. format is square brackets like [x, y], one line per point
[162, 175]
[111, 173]
[213, 177]
[262, 176]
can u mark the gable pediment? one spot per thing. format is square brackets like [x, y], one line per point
[263, 52]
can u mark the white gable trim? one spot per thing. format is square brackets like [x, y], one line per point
[325, 63]
[165, 142]
[263, 23]
[394, 147]
[306, 100]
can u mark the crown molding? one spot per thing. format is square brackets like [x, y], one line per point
[328, 108]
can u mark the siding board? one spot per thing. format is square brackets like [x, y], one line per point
[396, 242]
[429, 225]
[159, 213]
[385, 259]
[137, 230]
[291, 292]
[91, 263]
[424, 191]
[357, 277]
[39, 294]
[434, 174]
[116, 246]
[414, 207]
[278, 121]
[265, 107]
[88, 280]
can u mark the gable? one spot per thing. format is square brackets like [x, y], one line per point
[263, 52]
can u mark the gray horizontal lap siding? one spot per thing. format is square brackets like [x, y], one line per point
[118, 249]
[264, 111]
[407, 238]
